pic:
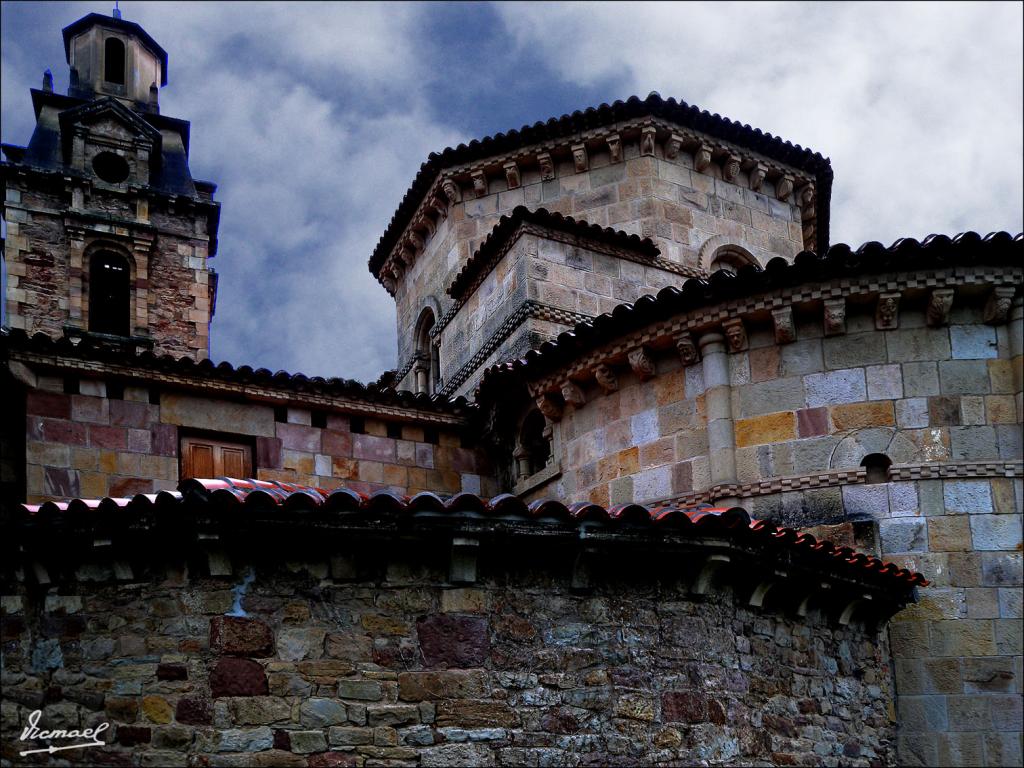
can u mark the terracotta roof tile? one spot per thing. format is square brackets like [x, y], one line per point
[256, 496]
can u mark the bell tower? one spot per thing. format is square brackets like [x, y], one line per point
[108, 234]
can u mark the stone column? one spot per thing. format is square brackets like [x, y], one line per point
[718, 404]
[420, 372]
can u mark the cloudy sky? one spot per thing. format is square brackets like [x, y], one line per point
[314, 118]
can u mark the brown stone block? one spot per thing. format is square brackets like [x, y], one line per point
[194, 710]
[93, 485]
[454, 684]
[599, 494]
[347, 469]
[670, 387]
[112, 438]
[157, 710]
[337, 443]
[1001, 409]
[171, 671]
[770, 428]
[628, 461]
[64, 432]
[238, 677]
[52, 404]
[324, 671]
[992, 674]
[126, 487]
[108, 461]
[128, 413]
[1000, 374]
[944, 411]
[475, 714]
[860, 415]
[657, 453]
[764, 363]
[457, 641]
[396, 475]
[951, 533]
[909, 639]
[962, 637]
[238, 636]
[90, 409]
[378, 624]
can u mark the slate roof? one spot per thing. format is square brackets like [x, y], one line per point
[484, 256]
[654, 105]
[935, 251]
[253, 497]
[128, 27]
[145, 362]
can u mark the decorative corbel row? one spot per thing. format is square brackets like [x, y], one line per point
[731, 167]
[757, 175]
[647, 140]
[784, 186]
[735, 334]
[512, 175]
[479, 183]
[835, 316]
[451, 190]
[887, 313]
[579, 157]
[997, 308]
[702, 158]
[438, 206]
[547, 167]
[548, 406]
[614, 147]
[673, 145]
[940, 302]
[606, 378]
[642, 363]
[712, 564]
[688, 351]
[785, 329]
[416, 241]
[806, 197]
[573, 394]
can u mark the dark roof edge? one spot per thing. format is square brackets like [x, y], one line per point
[654, 105]
[507, 226]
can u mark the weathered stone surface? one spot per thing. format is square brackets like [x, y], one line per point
[245, 740]
[458, 755]
[348, 736]
[157, 709]
[457, 641]
[297, 643]
[475, 714]
[238, 677]
[307, 742]
[320, 713]
[363, 690]
[454, 684]
[241, 636]
[391, 714]
[260, 710]
[193, 710]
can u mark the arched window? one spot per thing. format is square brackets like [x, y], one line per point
[109, 294]
[113, 58]
[534, 450]
[877, 466]
[427, 367]
[730, 258]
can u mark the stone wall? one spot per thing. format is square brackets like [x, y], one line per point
[667, 200]
[92, 445]
[379, 660]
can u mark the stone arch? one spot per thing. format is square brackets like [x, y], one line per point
[719, 245]
[427, 368]
[852, 449]
[94, 250]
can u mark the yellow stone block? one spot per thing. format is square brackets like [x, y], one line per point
[93, 485]
[860, 415]
[371, 471]
[396, 475]
[770, 428]
[157, 709]
[1000, 409]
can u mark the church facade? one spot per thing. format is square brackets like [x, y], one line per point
[662, 475]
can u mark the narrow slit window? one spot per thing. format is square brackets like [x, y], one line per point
[113, 71]
[109, 294]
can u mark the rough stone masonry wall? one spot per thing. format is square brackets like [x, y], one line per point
[48, 267]
[666, 200]
[400, 668]
[936, 401]
[89, 445]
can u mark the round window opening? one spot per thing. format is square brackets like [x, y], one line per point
[110, 167]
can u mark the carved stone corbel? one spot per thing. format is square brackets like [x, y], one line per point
[647, 140]
[785, 329]
[784, 187]
[606, 378]
[887, 313]
[406, 253]
[547, 167]
[997, 308]
[834, 320]
[425, 223]
[852, 605]
[479, 183]
[614, 147]
[760, 593]
[579, 157]
[712, 564]
[757, 176]
[673, 145]
[512, 175]
[806, 195]
[389, 283]
[573, 395]
[463, 560]
[731, 167]
[702, 158]
[642, 363]
[451, 191]
[549, 407]
[940, 302]
[438, 206]
[688, 351]
[735, 334]
[415, 240]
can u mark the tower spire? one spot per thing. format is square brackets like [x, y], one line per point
[117, 11]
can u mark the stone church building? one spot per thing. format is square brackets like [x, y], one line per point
[662, 477]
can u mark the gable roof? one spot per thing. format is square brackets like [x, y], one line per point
[679, 112]
[128, 27]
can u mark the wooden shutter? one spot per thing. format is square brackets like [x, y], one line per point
[203, 457]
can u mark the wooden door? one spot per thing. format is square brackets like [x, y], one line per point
[203, 457]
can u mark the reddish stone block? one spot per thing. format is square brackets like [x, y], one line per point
[683, 707]
[92, 409]
[560, 720]
[64, 432]
[780, 725]
[282, 740]
[331, 760]
[170, 671]
[114, 438]
[126, 487]
[192, 710]
[52, 404]
[129, 413]
[268, 453]
[337, 444]
[139, 440]
[373, 448]
[238, 636]
[61, 483]
[299, 437]
[131, 735]
[238, 677]
[457, 641]
[164, 440]
[812, 422]
[944, 411]
[425, 455]
[682, 477]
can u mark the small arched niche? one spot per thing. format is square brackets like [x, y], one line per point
[113, 61]
[877, 467]
[427, 367]
[730, 258]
